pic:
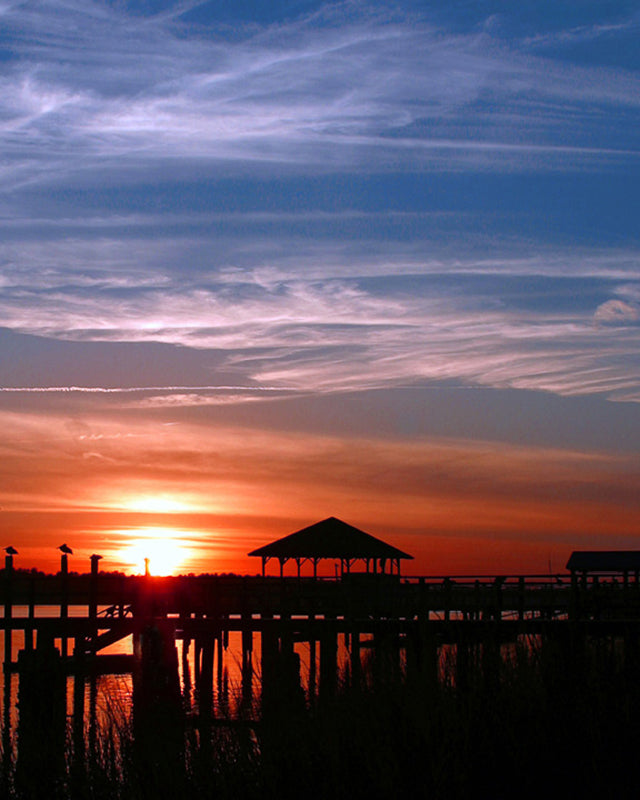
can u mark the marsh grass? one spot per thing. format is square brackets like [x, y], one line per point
[541, 727]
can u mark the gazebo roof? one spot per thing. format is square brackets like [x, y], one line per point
[604, 561]
[330, 538]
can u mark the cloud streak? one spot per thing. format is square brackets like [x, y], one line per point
[91, 86]
[288, 327]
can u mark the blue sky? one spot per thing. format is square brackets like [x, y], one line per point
[407, 221]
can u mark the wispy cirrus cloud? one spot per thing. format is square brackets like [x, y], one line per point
[494, 323]
[91, 83]
[100, 105]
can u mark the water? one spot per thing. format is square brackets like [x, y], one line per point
[108, 698]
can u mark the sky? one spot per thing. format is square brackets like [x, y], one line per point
[265, 263]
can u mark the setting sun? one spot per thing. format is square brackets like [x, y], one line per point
[162, 546]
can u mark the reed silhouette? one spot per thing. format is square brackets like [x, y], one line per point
[534, 723]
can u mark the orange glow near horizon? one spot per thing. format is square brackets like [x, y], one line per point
[198, 498]
[155, 504]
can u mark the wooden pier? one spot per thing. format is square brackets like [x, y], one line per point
[202, 610]
[382, 625]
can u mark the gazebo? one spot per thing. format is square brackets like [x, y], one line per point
[336, 540]
[585, 562]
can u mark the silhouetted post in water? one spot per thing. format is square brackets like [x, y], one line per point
[521, 598]
[157, 706]
[631, 653]
[186, 667]
[197, 660]
[269, 668]
[8, 613]
[93, 587]
[78, 709]
[422, 654]
[29, 633]
[356, 667]
[8, 604]
[42, 720]
[64, 594]
[328, 662]
[491, 657]
[93, 713]
[220, 663]
[312, 670]
[205, 697]
[6, 736]
[386, 654]
[446, 598]
[462, 664]
[247, 667]
[205, 682]
[291, 695]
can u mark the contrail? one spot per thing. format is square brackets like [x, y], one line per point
[135, 389]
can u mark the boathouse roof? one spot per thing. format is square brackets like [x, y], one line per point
[604, 561]
[330, 538]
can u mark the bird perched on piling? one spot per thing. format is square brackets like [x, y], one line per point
[64, 548]
[11, 551]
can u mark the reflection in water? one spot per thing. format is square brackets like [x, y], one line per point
[107, 699]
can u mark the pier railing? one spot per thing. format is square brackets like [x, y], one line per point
[109, 598]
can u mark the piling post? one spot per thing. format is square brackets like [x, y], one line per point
[78, 706]
[8, 612]
[423, 599]
[429, 656]
[8, 606]
[29, 632]
[197, 657]
[64, 596]
[521, 598]
[313, 679]
[93, 587]
[328, 661]
[42, 719]
[446, 598]
[7, 749]
[247, 666]
[491, 656]
[157, 704]
[93, 714]
[220, 664]
[462, 665]
[205, 683]
[186, 667]
[269, 668]
[289, 669]
[356, 666]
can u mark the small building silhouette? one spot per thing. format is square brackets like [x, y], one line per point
[587, 562]
[335, 540]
